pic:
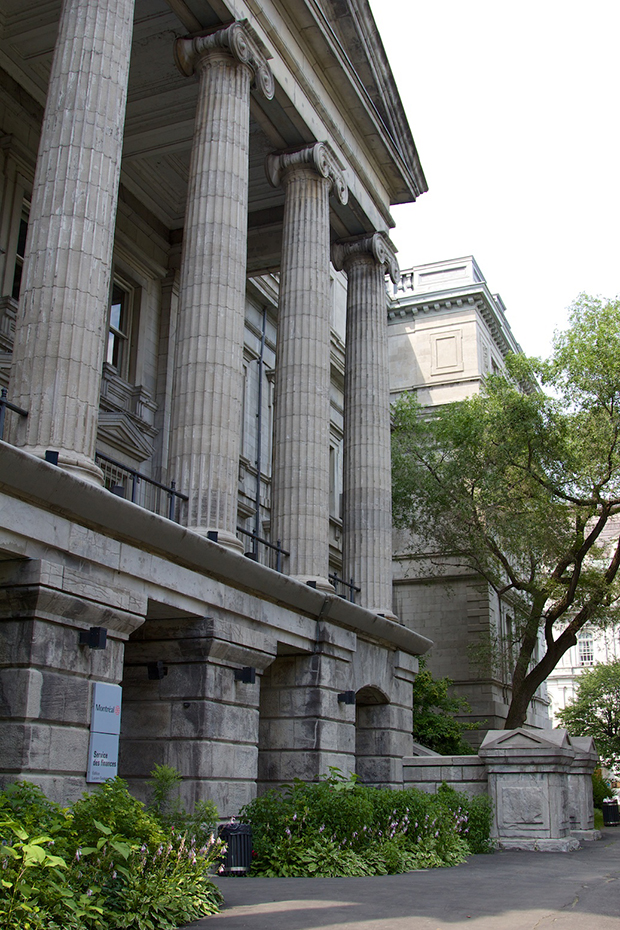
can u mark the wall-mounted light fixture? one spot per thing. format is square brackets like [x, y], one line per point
[156, 670]
[212, 535]
[347, 697]
[247, 675]
[95, 638]
[51, 457]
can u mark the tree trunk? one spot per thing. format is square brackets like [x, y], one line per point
[524, 692]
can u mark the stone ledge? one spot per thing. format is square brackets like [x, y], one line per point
[587, 835]
[567, 844]
[29, 478]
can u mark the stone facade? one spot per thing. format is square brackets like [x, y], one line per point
[446, 332]
[182, 173]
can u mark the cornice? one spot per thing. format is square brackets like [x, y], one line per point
[29, 479]
[411, 174]
[476, 296]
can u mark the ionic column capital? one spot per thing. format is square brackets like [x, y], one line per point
[240, 40]
[318, 156]
[378, 245]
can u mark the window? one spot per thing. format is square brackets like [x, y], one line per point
[20, 253]
[335, 481]
[119, 330]
[585, 645]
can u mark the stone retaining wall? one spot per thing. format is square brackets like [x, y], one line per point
[538, 780]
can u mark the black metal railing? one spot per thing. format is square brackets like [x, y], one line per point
[258, 540]
[349, 587]
[7, 405]
[131, 484]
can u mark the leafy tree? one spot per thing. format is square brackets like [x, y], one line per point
[522, 485]
[595, 710]
[434, 723]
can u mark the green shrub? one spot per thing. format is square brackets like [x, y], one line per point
[474, 815]
[318, 858]
[434, 708]
[27, 804]
[112, 804]
[339, 827]
[600, 789]
[105, 864]
[199, 825]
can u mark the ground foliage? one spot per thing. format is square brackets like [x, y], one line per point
[434, 709]
[338, 827]
[595, 710]
[168, 809]
[103, 864]
[522, 485]
[600, 789]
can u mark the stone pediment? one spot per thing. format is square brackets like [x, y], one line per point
[353, 23]
[584, 747]
[522, 738]
[120, 432]
[583, 743]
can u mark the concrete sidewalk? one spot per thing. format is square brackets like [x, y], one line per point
[503, 891]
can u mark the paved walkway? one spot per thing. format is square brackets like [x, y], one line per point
[503, 891]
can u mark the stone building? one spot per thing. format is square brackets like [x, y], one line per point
[446, 332]
[161, 163]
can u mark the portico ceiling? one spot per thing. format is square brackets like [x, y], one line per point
[160, 115]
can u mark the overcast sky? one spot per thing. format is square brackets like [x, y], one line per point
[515, 111]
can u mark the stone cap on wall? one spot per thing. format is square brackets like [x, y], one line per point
[586, 756]
[546, 749]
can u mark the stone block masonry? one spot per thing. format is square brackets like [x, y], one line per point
[165, 594]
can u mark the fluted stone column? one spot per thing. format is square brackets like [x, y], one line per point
[207, 404]
[300, 498]
[60, 334]
[367, 486]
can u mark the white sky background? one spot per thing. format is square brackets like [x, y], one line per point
[515, 111]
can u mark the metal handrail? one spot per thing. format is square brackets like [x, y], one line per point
[6, 404]
[353, 590]
[277, 547]
[137, 477]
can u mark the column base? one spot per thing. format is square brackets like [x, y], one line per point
[315, 581]
[221, 537]
[383, 612]
[76, 464]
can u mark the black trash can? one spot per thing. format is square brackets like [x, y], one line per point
[611, 813]
[238, 856]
